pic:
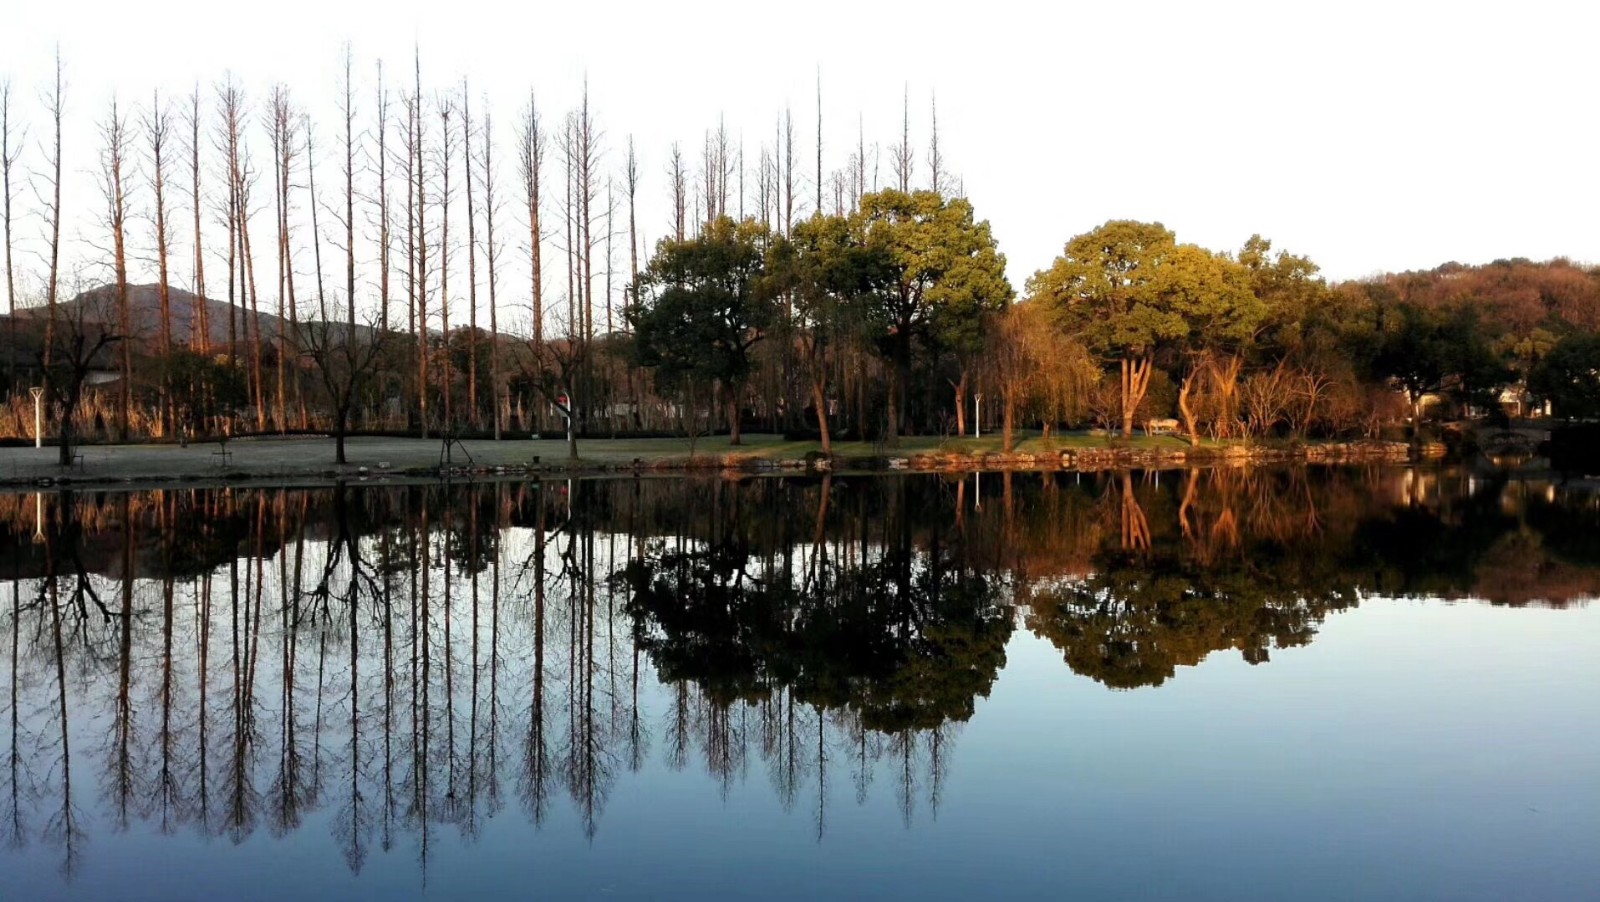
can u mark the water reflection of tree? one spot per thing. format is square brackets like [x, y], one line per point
[891, 642]
[240, 661]
[1243, 563]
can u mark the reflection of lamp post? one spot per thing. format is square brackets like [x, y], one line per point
[38, 417]
[38, 516]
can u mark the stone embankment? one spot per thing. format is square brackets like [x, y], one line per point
[1091, 459]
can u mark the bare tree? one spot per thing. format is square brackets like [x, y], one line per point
[680, 199]
[158, 129]
[11, 139]
[76, 348]
[113, 156]
[383, 203]
[819, 141]
[347, 360]
[55, 105]
[788, 173]
[347, 108]
[935, 160]
[421, 206]
[283, 154]
[904, 159]
[200, 316]
[491, 211]
[472, 261]
[531, 146]
[631, 175]
[447, 143]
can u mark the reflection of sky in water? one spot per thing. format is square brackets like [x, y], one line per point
[1413, 749]
[1416, 749]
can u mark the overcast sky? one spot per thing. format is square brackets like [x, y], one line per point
[1370, 137]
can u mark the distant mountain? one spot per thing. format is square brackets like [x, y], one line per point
[144, 314]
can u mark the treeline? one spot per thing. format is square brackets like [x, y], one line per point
[454, 274]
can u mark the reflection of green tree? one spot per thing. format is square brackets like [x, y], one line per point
[1133, 623]
[908, 644]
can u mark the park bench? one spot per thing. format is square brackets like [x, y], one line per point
[223, 455]
[1165, 426]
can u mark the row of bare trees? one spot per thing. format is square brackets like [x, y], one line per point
[418, 216]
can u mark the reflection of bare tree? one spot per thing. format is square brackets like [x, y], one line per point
[330, 656]
[62, 827]
[13, 827]
[534, 785]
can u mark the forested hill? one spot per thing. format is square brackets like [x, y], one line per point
[144, 315]
[1516, 296]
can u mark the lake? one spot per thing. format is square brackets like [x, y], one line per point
[1336, 683]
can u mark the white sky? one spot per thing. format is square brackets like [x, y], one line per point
[1369, 136]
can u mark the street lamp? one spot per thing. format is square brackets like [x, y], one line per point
[38, 417]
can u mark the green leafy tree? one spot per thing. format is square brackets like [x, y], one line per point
[1105, 287]
[1569, 376]
[703, 305]
[827, 275]
[942, 275]
[1130, 291]
[1430, 351]
[1221, 316]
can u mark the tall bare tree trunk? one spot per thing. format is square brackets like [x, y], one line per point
[904, 160]
[819, 141]
[422, 254]
[446, 143]
[587, 161]
[349, 112]
[531, 144]
[383, 205]
[492, 258]
[282, 154]
[114, 134]
[680, 189]
[253, 328]
[788, 183]
[9, 156]
[472, 264]
[200, 315]
[55, 103]
[230, 140]
[158, 127]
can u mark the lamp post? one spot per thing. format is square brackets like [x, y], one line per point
[977, 415]
[38, 417]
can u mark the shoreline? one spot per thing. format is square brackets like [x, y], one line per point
[305, 461]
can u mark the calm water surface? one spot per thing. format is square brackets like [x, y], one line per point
[1311, 684]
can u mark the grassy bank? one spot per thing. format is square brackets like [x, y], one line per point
[311, 457]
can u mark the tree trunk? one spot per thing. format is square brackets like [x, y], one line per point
[341, 421]
[1008, 436]
[819, 397]
[1183, 408]
[733, 417]
[961, 402]
[1135, 381]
